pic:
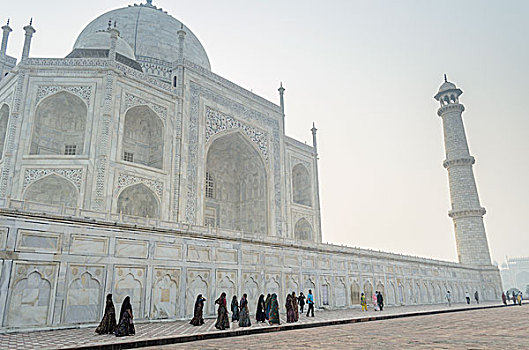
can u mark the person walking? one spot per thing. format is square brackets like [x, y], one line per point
[310, 303]
[223, 321]
[380, 300]
[108, 323]
[301, 300]
[476, 296]
[504, 298]
[260, 314]
[198, 319]
[125, 326]
[274, 310]
[289, 306]
[513, 298]
[234, 309]
[519, 297]
[374, 300]
[467, 296]
[448, 297]
[267, 306]
[363, 302]
[508, 296]
[244, 320]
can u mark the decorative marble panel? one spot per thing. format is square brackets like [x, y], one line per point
[4, 231]
[273, 284]
[291, 260]
[32, 289]
[165, 296]
[226, 255]
[132, 248]
[130, 281]
[84, 92]
[292, 283]
[250, 257]
[251, 287]
[75, 175]
[125, 180]
[198, 282]
[198, 253]
[84, 293]
[89, 245]
[38, 242]
[227, 283]
[308, 262]
[217, 122]
[167, 251]
[272, 260]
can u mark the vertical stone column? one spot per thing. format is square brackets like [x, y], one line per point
[5, 36]
[27, 40]
[316, 183]
[466, 212]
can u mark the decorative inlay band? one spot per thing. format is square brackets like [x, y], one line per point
[460, 161]
[84, 92]
[467, 212]
[131, 101]
[450, 107]
[217, 122]
[74, 175]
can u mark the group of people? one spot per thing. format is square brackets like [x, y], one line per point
[108, 325]
[267, 309]
[516, 297]
[378, 301]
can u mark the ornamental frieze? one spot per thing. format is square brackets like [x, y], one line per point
[132, 101]
[84, 92]
[125, 180]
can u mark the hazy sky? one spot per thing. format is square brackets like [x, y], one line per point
[366, 73]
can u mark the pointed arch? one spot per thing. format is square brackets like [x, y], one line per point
[303, 230]
[138, 200]
[59, 125]
[143, 137]
[240, 184]
[53, 189]
[4, 119]
[355, 293]
[301, 185]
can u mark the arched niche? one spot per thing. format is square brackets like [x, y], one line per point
[60, 125]
[303, 230]
[52, 189]
[301, 185]
[143, 140]
[236, 185]
[138, 200]
[4, 118]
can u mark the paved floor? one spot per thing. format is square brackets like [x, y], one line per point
[498, 328]
[72, 338]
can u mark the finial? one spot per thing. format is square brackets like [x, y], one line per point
[8, 22]
[181, 26]
[149, 2]
[115, 24]
[31, 21]
[445, 78]
[109, 23]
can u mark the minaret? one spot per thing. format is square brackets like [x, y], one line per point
[27, 41]
[5, 36]
[114, 34]
[467, 213]
[316, 179]
[282, 102]
[6, 62]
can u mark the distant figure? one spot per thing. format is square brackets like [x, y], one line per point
[508, 296]
[301, 300]
[261, 307]
[108, 323]
[268, 300]
[520, 298]
[223, 321]
[448, 297]
[374, 299]
[363, 302]
[380, 300]
[234, 309]
[513, 298]
[504, 298]
[467, 296]
[476, 296]
[125, 326]
[274, 310]
[310, 303]
[295, 306]
[197, 319]
[290, 309]
[244, 321]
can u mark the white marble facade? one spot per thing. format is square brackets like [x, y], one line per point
[128, 167]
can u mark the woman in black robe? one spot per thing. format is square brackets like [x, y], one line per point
[260, 314]
[290, 309]
[108, 323]
[198, 320]
[268, 302]
[245, 313]
[234, 309]
[125, 326]
[223, 321]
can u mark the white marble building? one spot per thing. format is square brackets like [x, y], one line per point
[129, 167]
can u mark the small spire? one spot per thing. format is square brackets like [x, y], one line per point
[115, 24]
[109, 23]
[445, 78]
[31, 21]
[181, 26]
[149, 2]
[8, 22]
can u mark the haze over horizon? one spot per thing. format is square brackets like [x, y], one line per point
[366, 74]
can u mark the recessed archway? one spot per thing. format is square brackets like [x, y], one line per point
[235, 185]
[301, 185]
[4, 118]
[303, 230]
[52, 189]
[138, 200]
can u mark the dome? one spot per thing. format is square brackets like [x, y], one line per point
[101, 40]
[447, 86]
[151, 33]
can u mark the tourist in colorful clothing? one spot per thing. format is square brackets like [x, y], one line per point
[267, 306]
[234, 309]
[244, 321]
[274, 310]
[310, 303]
[223, 320]
[363, 302]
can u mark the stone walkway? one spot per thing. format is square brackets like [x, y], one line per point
[495, 328]
[158, 333]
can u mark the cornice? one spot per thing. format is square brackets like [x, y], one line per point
[452, 107]
[454, 214]
[447, 163]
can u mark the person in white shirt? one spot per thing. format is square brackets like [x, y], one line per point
[468, 297]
